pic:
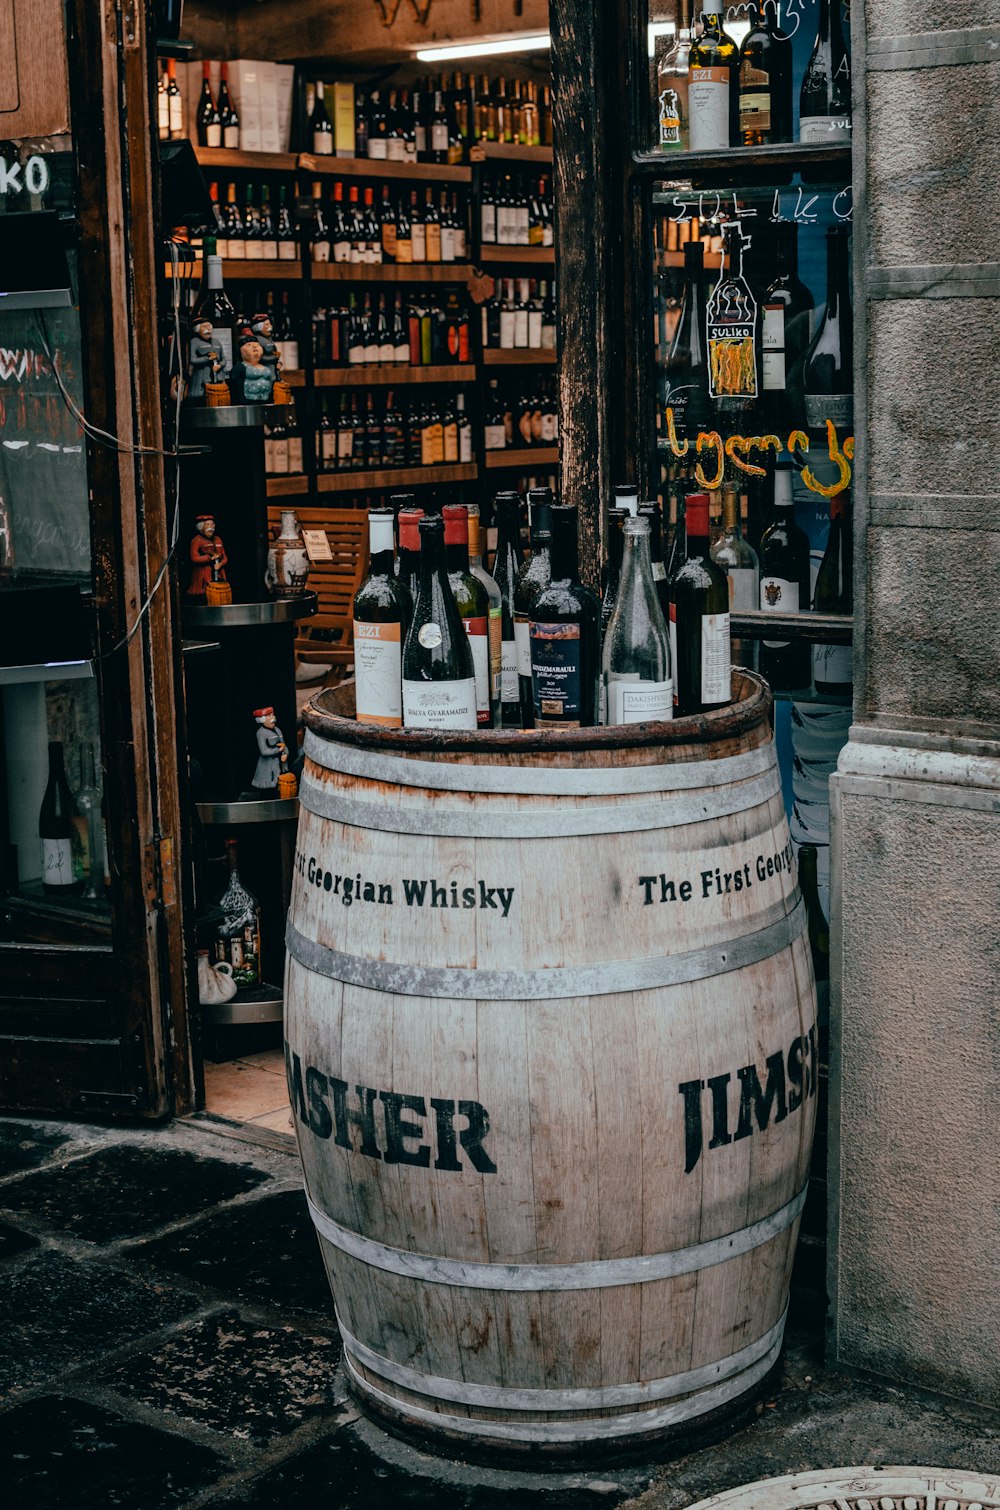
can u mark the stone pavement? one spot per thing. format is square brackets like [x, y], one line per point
[168, 1340]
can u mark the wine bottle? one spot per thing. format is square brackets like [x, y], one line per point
[321, 127]
[828, 375]
[701, 597]
[175, 103]
[636, 656]
[506, 566]
[739, 561]
[238, 935]
[611, 575]
[383, 609]
[209, 120]
[408, 560]
[533, 576]
[228, 114]
[496, 606]
[61, 874]
[88, 802]
[825, 96]
[439, 679]
[784, 588]
[565, 633]
[686, 373]
[833, 665]
[765, 80]
[473, 605]
[785, 315]
[672, 69]
[288, 249]
[213, 304]
[713, 98]
[650, 510]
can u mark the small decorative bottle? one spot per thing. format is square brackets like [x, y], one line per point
[238, 937]
[287, 559]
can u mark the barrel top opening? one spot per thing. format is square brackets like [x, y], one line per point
[330, 715]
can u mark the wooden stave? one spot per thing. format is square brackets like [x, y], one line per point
[381, 1303]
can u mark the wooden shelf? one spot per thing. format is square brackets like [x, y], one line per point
[515, 254]
[782, 156]
[518, 356]
[261, 270]
[388, 376]
[510, 152]
[257, 162]
[390, 272]
[394, 477]
[523, 456]
[287, 487]
[373, 167]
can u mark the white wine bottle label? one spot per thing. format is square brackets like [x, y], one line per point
[708, 109]
[755, 104]
[833, 665]
[439, 137]
[322, 143]
[494, 438]
[715, 662]
[213, 135]
[377, 673]
[772, 340]
[224, 336]
[825, 128]
[823, 406]
[231, 138]
[378, 148]
[522, 641]
[57, 862]
[479, 643]
[509, 690]
[778, 595]
[439, 705]
[488, 223]
[631, 701]
[742, 588]
[556, 672]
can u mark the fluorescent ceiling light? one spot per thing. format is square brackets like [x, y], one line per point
[537, 42]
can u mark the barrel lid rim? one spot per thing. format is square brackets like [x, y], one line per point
[325, 714]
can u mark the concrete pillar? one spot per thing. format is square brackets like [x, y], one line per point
[914, 1232]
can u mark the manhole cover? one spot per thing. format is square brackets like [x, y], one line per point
[864, 1489]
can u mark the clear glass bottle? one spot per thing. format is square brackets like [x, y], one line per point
[636, 658]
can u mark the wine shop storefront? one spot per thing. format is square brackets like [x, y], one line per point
[793, 305]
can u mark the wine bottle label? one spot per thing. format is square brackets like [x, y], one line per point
[509, 692]
[495, 438]
[496, 650]
[465, 444]
[631, 701]
[321, 251]
[708, 109]
[378, 147]
[231, 137]
[432, 239]
[778, 595]
[535, 329]
[213, 135]
[659, 571]
[520, 327]
[377, 663]
[57, 862]
[224, 335]
[522, 643]
[755, 106]
[439, 137]
[823, 406]
[479, 643]
[395, 149]
[287, 250]
[330, 446]
[833, 666]
[715, 666]
[556, 673]
[488, 223]
[418, 239]
[772, 340]
[742, 587]
[507, 329]
[825, 128]
[322, 143]
[439, 705]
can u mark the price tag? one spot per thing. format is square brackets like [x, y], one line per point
[317, 545]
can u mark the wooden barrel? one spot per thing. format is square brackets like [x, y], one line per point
[551, 1049]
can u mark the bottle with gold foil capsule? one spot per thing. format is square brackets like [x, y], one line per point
[473, 603]
[383, 609]
[496, 608]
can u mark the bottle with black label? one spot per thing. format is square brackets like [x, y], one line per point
[506, 565]
[828, 376]
[700, 594]
[533, 577]
[636, 657]
[383, 609]
[473, 606]
[214, 305]
[565, 635]
[833, 665]
[62, 872]
[439, 679]
[825, 96]
[784, 588]
[765, 80]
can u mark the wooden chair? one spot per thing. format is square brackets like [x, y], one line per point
[335, 582]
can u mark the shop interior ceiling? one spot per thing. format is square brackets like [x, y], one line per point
[353, 33]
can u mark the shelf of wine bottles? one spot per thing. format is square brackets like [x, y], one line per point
[519, 417]
[520, 316]
[360, 332]
[347, 482]
[373, 432]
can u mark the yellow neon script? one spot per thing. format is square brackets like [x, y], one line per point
[737, 447]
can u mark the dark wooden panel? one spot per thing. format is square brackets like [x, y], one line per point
[34, 79]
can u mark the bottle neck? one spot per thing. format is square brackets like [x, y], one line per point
[457, 555]
[563, 549]
[637, 566]
[838, 281]
[213, 272]
[432, 559]
[731, 513]
[380, 539]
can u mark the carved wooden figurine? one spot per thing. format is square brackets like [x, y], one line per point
[208, 557]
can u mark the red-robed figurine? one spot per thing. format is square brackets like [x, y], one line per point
[208, 557]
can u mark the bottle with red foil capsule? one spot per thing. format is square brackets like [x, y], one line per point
[473, 605]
